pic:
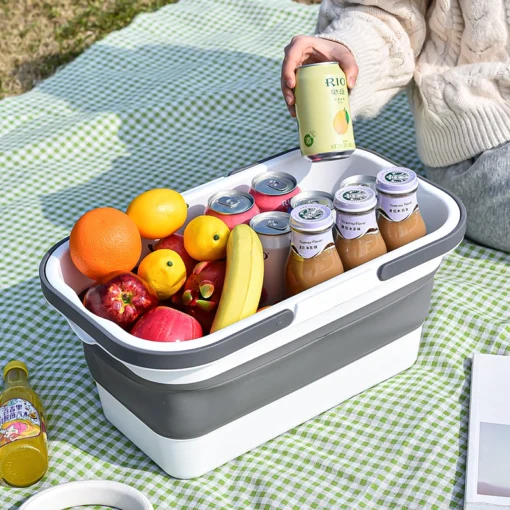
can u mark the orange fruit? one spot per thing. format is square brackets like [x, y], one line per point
[158, 212]
[205, 238]
[104, 240]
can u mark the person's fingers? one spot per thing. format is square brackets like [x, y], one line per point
[307, 50]
[349, 67]
[295, 53]
[325, 50]
[288, 94]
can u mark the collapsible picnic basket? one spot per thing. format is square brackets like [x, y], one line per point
[192, 406]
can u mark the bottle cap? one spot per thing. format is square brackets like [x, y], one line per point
[15, 364]
[397, 180]
[355, 199]
[360, 180]
[312, 197]
[311, 218]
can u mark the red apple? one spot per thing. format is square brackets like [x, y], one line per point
[164, 324]
[121, 297]
[175, 242]
[201, 293]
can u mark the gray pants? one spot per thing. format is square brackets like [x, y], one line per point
[483, 185]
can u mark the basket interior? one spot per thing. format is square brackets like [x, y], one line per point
[325, 176]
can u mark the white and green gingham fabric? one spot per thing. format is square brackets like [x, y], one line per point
[181, 96]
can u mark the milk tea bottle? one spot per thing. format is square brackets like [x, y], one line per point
[358, 238]
[399, 218]
[313, 258]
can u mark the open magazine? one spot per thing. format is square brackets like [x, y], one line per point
[488, 461]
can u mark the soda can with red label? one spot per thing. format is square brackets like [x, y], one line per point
[273, 190]
[233, 207]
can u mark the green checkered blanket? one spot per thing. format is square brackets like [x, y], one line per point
[181, 96]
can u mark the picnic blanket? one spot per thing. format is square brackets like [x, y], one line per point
[181, 96]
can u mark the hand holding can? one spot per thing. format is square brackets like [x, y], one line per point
[323, 112]
[304, 49]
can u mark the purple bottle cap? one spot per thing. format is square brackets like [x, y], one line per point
[397, 181]
[355, 199]
[311, 218]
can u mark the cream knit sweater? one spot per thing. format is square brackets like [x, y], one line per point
[453, 55]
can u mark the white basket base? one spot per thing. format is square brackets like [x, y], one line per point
[191, 458]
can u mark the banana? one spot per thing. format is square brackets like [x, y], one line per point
[243, 278]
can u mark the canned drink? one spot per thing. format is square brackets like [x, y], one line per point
[272, 191]
[274, 233]
[323, 112]
[360, 180]
[312, 197]
[233, 207]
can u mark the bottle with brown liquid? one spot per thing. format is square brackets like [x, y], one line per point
[399, 217]
[358, 238]
[313, 258]
[23, 442]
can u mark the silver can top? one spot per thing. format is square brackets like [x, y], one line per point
[231, 202]
[360, 180]
[332, 63]
[273, 223]
[312, 197]
[274, 183]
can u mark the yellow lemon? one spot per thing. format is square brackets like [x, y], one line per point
[164, 271]
[158, 212]
[205, 238]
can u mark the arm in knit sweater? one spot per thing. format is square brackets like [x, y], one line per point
[385, 37]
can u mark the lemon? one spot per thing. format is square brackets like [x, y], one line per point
[158, 212]
[164, 271]
[205, 238]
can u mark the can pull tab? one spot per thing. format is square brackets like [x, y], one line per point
[277, 185]
[276, 224]
[229, 202]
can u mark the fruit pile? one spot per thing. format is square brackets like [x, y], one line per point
[188, 285]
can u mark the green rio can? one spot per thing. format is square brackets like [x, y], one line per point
[323, 113]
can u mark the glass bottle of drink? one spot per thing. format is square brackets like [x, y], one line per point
[313, 258]
[358, 238]
[399, 217]
[23, 441]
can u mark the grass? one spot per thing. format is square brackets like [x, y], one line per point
[38, 36]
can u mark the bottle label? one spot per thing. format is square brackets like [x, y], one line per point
[19, 419]
[308, 246]
[395, 208]
[351, 226]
